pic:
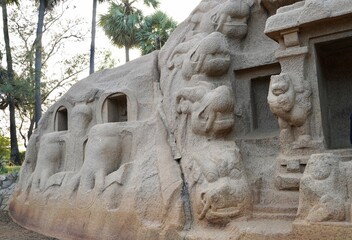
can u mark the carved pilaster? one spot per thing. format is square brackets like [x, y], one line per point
[289, 99]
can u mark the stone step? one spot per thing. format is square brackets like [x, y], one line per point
[342, 152]
[288, 181]
[274, 216]
[278, 198]
[259, 147]
[275, 212]
[274, 209]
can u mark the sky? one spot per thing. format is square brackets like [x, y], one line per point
[179, 10]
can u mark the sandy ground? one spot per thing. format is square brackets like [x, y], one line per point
[11, 231]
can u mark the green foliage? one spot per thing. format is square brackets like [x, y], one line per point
[121, 23]
[152, 3]
[3, 89]
[22, 156]
[105, 60]
[6, 166]
[154, 31]
[21, 90]
[9, 169]
[10, 2]
[5, 150]
[48, 4]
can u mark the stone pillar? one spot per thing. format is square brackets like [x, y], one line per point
[290, 100]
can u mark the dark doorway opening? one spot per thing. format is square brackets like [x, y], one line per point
[117, 108]
[263, 119]
[334, 68]
[61, 119]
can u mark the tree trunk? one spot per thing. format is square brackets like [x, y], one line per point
[92, 45]
[15, 155]
[127, 53]
[31, 126]
[38, 62]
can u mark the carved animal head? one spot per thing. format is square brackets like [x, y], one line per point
[281, 97]
[224, 199]
[211, 56]
[214, 113]
[321, 166]
[231, 18]
[279, 84]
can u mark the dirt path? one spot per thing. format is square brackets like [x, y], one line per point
[11, 231]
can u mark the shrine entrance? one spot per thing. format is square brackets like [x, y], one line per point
[334, 64]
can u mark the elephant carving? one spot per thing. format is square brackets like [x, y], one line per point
[111, 147]
[50, 159]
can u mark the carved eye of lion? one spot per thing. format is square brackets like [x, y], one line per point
[211, 177]
[215, 198]
[235, 174]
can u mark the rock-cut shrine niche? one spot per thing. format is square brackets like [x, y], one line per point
[335, 87]
[115, 108]
[61, 119]
[263, 120]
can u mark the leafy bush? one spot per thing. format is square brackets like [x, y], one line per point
[5, 155]
[9, 169]
[5, 149]
[5, 152]
[22, 156]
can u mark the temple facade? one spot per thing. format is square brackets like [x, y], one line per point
[238, 128]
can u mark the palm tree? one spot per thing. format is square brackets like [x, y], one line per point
[122, 21]
[92, 45]
[154, 31]
[43, 6]
[15, 155]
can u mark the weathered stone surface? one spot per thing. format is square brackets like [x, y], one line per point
[323, 192]
[7, 186]
[273, 5]
[222, 134]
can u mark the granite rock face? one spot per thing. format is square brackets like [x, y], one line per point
[222, 134]
[7, 186]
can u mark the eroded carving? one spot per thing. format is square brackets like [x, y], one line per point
[211, 109]
[322, 193]
[205, 105]
[74, 140]
[211, 56]
[178, 163]
[112, 150]
[231, 18]
[224, 192]
[291, 103]
[273, 5]
[50, 159]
